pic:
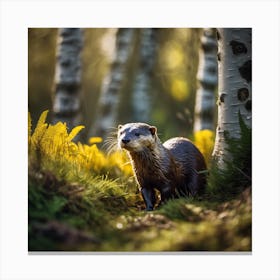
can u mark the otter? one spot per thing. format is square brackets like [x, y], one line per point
[172, 167]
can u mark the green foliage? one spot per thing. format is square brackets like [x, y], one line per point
[43, 205]
[73, 207]
[81, 206]
[235, 176]
[65, 185]
[186, 209]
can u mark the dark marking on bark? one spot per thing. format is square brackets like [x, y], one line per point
[208, 45]
[208, 85]
[243, 94]
[207, 114]
[226, 134]
[246, 71]
[70, 88]
[212, 69]
[66, 114]
[248, 105]
[66, 105]
[113, 90]
[222, 98]
[238, 47]
[218, 35]
[65, 61]
[205, 47]
[106, 109]
[219, 56]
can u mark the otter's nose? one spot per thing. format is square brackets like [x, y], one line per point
[125, 141]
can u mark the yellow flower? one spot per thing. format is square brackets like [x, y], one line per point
[204, 140]
[94, 140]
[53, 146]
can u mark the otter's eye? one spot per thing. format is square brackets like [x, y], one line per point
[137, 134]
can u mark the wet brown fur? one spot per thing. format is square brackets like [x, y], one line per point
[171, 167]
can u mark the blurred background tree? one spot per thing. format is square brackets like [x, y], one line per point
[113, 84]
[66, 105]
[207, 77]
[172, 79]
[141, 93]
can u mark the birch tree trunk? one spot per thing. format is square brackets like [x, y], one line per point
[235, 86]
[207, 77]
[66, 106]
[141, 101]
[106, 116]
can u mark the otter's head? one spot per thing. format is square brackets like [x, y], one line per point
[136, 137]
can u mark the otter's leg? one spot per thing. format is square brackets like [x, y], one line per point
[166, 192]
[149, 197]
[193, 184]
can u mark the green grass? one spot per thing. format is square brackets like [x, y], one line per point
[106, 215]
[236, 175]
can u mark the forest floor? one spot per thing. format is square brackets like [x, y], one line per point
[104, 215]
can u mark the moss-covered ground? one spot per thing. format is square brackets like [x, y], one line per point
[105, 216]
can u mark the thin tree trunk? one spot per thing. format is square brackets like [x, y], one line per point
[207, 77]
[141, 101]
[106, 116]
[235, 86]
[66, 106]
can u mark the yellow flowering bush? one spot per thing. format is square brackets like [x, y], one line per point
[204, 140]
[50, 144]
[53, 144]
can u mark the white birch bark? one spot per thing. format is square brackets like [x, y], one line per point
[141, 101]
[106, 116]
[235, 85]
[66, 105]
[207, 77]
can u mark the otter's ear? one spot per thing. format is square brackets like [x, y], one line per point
[119, 126]
[153, 130]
